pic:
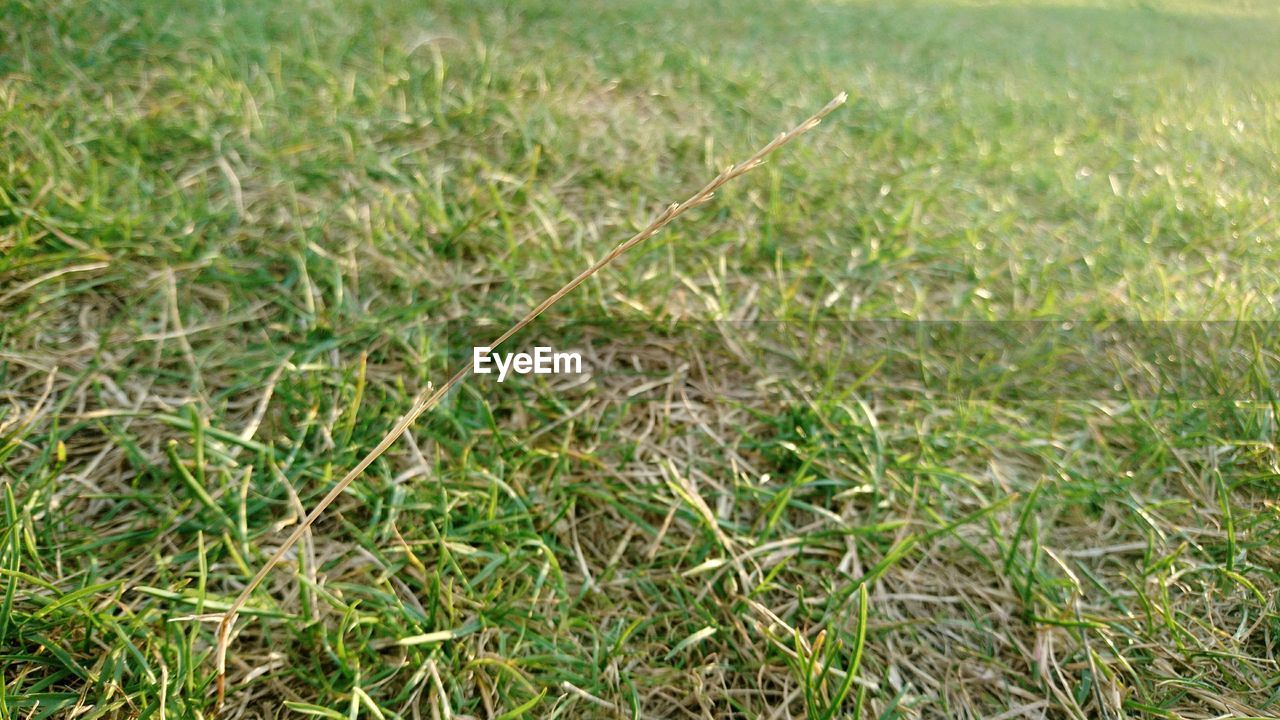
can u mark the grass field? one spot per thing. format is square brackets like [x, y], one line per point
[237, 238]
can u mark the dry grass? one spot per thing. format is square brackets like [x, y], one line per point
[430, 397]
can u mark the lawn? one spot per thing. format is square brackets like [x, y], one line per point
[962, 405]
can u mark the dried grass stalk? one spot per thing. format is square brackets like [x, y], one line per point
[430, 396]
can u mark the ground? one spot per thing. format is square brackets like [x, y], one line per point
[902, 424]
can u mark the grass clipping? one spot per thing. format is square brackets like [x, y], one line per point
[430, 396]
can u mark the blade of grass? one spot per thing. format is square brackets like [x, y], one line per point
[430, 396]
[855, 663]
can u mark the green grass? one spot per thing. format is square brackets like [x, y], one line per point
[236, 239]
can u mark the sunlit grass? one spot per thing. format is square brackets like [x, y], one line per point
[235, 241]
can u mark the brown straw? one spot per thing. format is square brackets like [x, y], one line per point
[429, 396]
